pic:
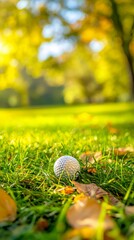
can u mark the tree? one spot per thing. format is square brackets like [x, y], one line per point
[116, 19]
[101, 19]
[20, 36]
[99, 34]
[126, 35]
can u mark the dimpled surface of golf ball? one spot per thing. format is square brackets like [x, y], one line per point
[67, 167]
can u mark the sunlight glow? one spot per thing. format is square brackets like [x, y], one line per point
[4, 49]
[54, 49]
[96, 46]
[55, 29]
[22, 4]
[72, 16]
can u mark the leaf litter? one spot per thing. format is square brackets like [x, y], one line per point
[96, 192]
[84, 214]
[122, 151]
[89, 219]
[90, 214]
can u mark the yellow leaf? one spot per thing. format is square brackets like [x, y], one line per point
[91, 33]
[84, 233]
[8, 207]
[87, 35]
[66, 190]
[78, 197]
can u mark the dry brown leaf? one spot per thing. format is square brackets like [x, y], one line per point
[123, 151]
[91, 157]
[91, 170]
[129, 210]
[98, 155]
[8, 207]
[94, 191]
[41, 224]
[87, 156]
[86, 213]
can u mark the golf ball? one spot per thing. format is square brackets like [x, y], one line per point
[67, 167]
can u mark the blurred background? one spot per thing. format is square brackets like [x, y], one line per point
[66, 52]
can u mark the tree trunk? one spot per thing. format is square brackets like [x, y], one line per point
[125, 43]
[131, 68]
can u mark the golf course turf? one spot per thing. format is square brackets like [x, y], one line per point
[32, 139]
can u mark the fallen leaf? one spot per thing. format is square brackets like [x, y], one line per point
[83, 233]
[91, 157]
[130, 149]
[97, 155]
[87, 156]
[41, 224]
[8, 207]
[123, 151]
[112, 129]
[66, 190]
[129, 210]
[78, 197]
[87, 213]
[94, 191]
[86, 233]
[91, 170]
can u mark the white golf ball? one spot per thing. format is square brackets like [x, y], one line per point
[67, 167]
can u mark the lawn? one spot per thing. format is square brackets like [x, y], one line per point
[31, 139]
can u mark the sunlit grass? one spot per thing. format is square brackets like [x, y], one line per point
[74, 115]
[32, 139]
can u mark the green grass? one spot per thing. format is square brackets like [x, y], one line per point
[32, 139]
